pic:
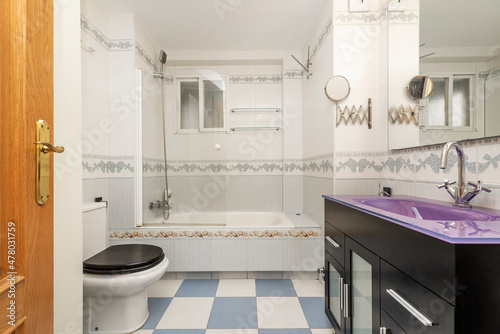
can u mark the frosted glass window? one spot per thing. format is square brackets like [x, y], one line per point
[362, 295]
[213, 111]
[190, 104]
[437, 108]
[461, 101]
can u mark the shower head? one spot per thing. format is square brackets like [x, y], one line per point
[163, 57]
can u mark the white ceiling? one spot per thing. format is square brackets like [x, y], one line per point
[223, 24]
[460, 23]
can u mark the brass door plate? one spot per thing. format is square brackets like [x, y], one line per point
[42, 163]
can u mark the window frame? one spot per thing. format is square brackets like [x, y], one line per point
[201, 110]
[451, 76]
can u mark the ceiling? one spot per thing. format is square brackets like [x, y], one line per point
[223, 24]
[460, 23]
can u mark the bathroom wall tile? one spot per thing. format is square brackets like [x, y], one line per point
[397, 166]
[292, 139]
[314, 188]
[488, 163]
[122, 77]
[121, 139]
[268, 95]
[198, 193]
[427, 163]
[241, 96]
[121, 203]
[87, 190]
[254, 193]
[356, 186]
[293, 193]
[399, 187]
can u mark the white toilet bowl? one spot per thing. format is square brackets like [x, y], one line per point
[115, 285]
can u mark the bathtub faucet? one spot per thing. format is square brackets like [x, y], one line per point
[460, 193]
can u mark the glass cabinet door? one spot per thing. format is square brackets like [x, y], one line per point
[334, 282]
[362, 310]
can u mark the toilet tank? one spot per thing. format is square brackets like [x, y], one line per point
[95, 228]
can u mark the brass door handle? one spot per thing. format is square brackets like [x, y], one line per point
[48, 147]
[42, 161]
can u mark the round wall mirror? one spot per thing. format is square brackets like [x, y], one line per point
[337, 88]
[419, 87]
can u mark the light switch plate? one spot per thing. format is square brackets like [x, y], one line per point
[397, 6]
[359, 5]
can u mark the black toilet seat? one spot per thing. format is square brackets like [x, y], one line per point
[124, 259]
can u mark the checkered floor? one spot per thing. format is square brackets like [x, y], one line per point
[243, 306]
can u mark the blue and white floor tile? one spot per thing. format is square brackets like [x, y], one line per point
[239, 306]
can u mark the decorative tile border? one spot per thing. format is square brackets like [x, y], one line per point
[404, 17]
[356, 18]
[319, 166]
[292, 74]
[251, 79]
[139, 50]
[205, 234]
[107, 166]
[109, 44]
[322, 37]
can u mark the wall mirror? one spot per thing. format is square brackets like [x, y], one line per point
[455, 44]
[419, 87]
[337, 88]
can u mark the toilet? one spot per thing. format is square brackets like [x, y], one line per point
[116, 278]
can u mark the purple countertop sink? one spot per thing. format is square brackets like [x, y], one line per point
[427, 211]
[435, 218]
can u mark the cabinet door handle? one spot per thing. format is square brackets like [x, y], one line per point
[410, 308]
[383, 330]
[341, 291]
[347, 312]
[330, 240]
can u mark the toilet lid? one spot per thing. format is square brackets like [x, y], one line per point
[124, 259]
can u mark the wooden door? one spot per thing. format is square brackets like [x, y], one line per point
[26, 229]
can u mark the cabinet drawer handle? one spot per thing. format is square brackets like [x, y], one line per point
[410, 308]
[383, 330]
[347, 312]
[330, 240]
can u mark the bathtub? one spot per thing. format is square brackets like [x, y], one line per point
[236, 219]
[231, 241]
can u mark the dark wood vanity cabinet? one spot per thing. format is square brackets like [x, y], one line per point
[385, 278]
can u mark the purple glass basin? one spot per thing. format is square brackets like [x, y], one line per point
[427, 211]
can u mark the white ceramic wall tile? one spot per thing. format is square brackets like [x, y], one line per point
[192, 255]
[293, 194]
[259, 251]
[121, 203]
[122, 77]
[488, 167]
[314, 188]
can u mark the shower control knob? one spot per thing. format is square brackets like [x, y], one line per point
[217, 147]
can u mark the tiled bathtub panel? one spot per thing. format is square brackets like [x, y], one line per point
[294, 186]
[306, 254]
[254, 193]
[198, 193]
[153, 189]
[268, 255]
[229, 255]
[314, 188]
[121, 203]
[191, 255]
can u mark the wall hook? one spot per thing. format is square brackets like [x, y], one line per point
[308, 61]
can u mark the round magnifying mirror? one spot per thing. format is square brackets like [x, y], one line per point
[337, 88]
[419, 87]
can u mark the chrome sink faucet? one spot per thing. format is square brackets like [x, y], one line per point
[460, 193]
